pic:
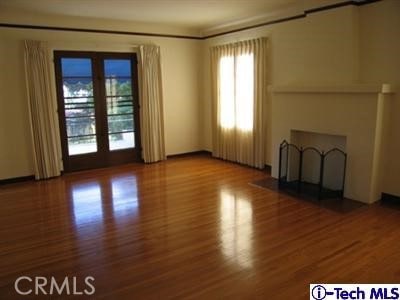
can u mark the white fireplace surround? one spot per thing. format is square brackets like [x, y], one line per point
[358, 112]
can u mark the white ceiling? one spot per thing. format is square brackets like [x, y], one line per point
[196, 14]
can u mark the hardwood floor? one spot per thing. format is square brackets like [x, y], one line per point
[187, 228]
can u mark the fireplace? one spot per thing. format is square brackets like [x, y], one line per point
[311, 171]
[350, 118]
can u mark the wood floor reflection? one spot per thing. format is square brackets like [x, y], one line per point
[189, 227]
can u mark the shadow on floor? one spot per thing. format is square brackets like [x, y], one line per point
[335, 204]
[390, 201]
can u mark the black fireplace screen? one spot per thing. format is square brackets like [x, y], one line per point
[311, 171]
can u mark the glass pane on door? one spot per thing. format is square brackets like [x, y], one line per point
[120, 120]
[79, 105]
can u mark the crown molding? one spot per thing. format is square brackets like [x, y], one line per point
[88, 30]
[303, 14]
[193, 37]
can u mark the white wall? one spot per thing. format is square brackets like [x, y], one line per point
[180, 67]
[319, 49]
[15, 141]
[380, 62]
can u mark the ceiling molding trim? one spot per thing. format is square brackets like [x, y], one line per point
[281, 20]
[298, 16]
[40, 27]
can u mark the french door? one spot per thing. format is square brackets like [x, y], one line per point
[98, 108]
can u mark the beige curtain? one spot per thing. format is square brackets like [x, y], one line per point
[238, 74]
[41, 110]
[151, 104]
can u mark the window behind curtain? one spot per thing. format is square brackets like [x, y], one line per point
[238, 82]
[236, 91]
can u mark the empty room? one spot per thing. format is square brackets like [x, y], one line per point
[200, 149]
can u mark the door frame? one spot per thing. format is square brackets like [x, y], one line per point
[103, 157]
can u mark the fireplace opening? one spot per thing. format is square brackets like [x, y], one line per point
[313, 170]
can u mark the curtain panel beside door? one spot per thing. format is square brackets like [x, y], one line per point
[238, 74]
[41, 110]
[151, 104]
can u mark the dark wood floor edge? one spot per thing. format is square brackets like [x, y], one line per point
[192, 37]
[17, 179]
[389, 198]
[268, 169]
[186, 154]
[32, 177]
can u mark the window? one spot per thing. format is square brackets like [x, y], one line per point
[239, 86]
[236, 78]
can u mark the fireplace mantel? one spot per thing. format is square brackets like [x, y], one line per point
[358, 112]
[348, 89]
